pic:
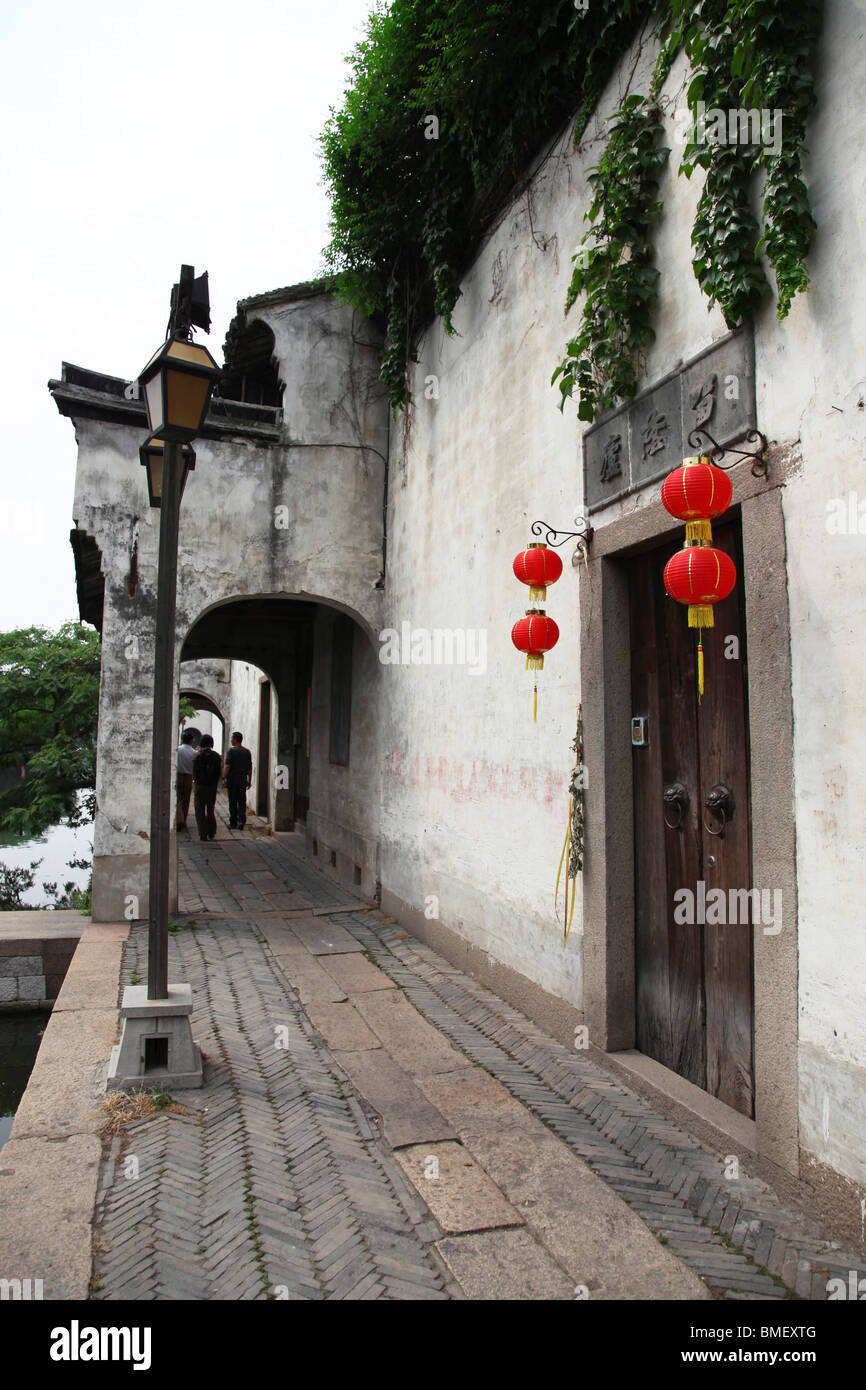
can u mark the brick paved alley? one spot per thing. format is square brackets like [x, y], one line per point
[376, 1124]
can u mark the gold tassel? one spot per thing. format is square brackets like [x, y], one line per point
[701, 615]
[538, 591]
[699, 532]
[535, 661]
[700, 666]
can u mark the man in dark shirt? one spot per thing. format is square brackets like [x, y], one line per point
[206, 780]
[238, 775]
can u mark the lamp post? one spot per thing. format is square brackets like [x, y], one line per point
[177, 383]
[157, 1036]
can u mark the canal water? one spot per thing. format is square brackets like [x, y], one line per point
[20, 1036]
[54, 849]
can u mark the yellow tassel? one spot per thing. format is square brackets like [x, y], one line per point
[700, 667]
[534, 704]
[538, 591]
[701, 615]
[535, 661]
[699, 532]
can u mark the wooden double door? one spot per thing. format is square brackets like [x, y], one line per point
[694, 977]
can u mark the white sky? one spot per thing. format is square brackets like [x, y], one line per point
[136, 138]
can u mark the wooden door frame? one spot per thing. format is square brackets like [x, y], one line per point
[608, 891]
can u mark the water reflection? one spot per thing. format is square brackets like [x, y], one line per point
[20, 1036]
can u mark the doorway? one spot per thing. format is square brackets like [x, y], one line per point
[263, 780]
[694, 928]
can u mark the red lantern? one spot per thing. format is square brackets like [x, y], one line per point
[535, 634]
[700, 576]
[537, 566]
[697, 493]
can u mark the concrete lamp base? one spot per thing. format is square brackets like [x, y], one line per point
[156, 1047]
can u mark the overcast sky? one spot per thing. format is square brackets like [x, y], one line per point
[137, 138]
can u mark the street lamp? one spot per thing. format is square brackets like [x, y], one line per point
[151, 455]
[177, 381]
[177, 384]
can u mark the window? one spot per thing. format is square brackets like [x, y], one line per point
[343, 636]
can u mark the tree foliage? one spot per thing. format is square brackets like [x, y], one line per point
[49, 691]
[411, 197]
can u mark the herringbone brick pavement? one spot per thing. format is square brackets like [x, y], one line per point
[276, 1185]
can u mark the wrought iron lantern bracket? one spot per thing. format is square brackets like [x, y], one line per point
[699, 438]
[583, 536]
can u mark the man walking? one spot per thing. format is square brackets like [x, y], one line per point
[186, 754]
[238, 775]
[206, 776]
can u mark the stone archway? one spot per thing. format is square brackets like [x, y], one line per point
[322, 665]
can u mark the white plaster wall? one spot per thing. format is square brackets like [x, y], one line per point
[345, 800]
[474, 794]
[246, 682]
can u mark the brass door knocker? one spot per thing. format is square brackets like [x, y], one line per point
[675, 798]
[720, 804]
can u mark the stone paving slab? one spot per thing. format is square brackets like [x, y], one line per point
[456, 1189]
[356, 975]
[342, 1027]
[505, 1264]
[407, 1115]
[588, 1230]
[46, 1205]
[422, 1050]
[323, 937]
[313, 984]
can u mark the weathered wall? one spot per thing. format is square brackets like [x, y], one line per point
[240, 536]
[343, 820]
[475, 794]
[246, 682]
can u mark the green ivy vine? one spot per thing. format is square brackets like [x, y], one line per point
[615, 264]
[743, 55]
[410, 201]
[411, 198]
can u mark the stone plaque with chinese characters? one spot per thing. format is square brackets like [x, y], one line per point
[606, 467]
[656, 428]
[638, 444]
[718, 392]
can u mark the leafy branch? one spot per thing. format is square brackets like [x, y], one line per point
[614, 266]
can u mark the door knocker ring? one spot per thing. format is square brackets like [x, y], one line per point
[677, 797]
[720, 804]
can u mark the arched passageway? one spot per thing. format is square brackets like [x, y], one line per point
[304, 692]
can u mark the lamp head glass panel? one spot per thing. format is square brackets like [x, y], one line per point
[177, 383]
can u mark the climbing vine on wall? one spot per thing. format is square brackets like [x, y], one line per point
[745, 56]
[614, 267]
[451, 101]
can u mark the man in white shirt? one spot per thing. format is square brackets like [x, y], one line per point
[185, 759]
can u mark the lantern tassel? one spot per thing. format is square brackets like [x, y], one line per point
[701, 615]
[538, 591]
[699, 532]
[535, 703]
[700, 666]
